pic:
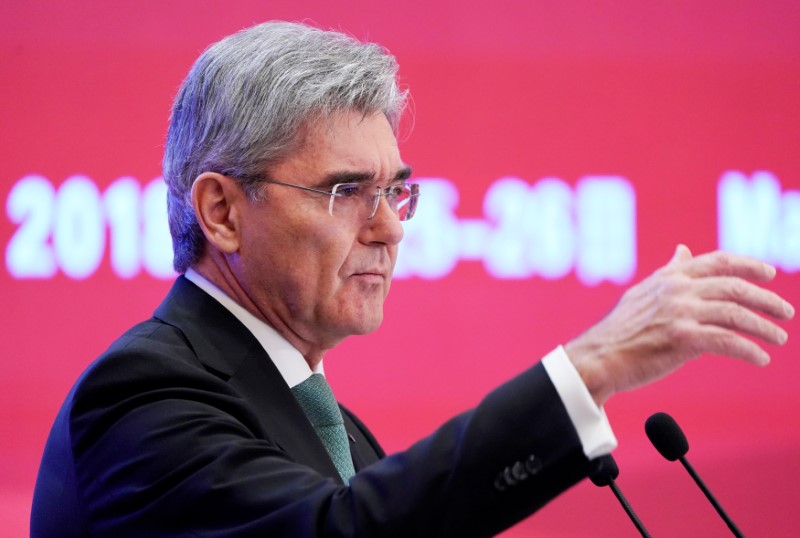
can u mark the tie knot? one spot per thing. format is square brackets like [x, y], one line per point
[317, 400]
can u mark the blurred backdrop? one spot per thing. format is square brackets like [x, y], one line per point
[564, 148]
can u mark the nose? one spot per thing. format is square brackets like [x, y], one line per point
[385, 226]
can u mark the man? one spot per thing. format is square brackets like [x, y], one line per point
[286, 196]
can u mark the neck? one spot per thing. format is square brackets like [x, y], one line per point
[226, 281]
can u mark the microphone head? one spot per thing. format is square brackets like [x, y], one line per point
[666, 436]
[605, 470]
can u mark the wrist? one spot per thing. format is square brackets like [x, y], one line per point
[587, 358]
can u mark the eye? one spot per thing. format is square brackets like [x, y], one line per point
[347, 190]
[396, 191]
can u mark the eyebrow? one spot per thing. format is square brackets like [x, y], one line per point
[359, 177]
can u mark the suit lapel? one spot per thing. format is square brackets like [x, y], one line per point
[285, 422]
[363, 446]
[227, 349]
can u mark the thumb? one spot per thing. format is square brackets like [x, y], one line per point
[682, 254]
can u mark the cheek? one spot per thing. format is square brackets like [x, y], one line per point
[323, 267]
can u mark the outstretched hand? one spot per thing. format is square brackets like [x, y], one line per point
[692, 305]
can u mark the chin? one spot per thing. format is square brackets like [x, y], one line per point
[366, 329]
[368, 324]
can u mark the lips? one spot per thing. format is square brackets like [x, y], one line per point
[371, 272]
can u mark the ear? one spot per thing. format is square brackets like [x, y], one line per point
[216, 199]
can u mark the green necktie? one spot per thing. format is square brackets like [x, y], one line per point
[317, 400]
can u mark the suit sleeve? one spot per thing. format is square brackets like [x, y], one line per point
[162, 447]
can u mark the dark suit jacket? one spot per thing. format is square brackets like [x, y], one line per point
[184, 427]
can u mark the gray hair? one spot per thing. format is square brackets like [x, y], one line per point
[243, 104]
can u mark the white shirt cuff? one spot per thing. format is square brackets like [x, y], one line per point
[590, 421]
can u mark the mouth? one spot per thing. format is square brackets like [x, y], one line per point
[370, 276]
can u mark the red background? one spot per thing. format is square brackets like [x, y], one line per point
[668, 95]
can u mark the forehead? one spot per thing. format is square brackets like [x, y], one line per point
[348, 141]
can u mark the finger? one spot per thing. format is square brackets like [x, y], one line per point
[746, 294]
[681, 254]
[734, 317]
[727, 264]
[719, 341]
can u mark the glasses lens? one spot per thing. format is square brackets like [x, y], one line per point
[359, 199]
[345, 199]
[407, 201]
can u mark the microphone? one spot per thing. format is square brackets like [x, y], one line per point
[669, 440]
[603, 474]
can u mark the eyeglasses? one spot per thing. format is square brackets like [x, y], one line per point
[361, 200]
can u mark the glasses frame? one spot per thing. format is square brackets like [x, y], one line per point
[379, 192]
